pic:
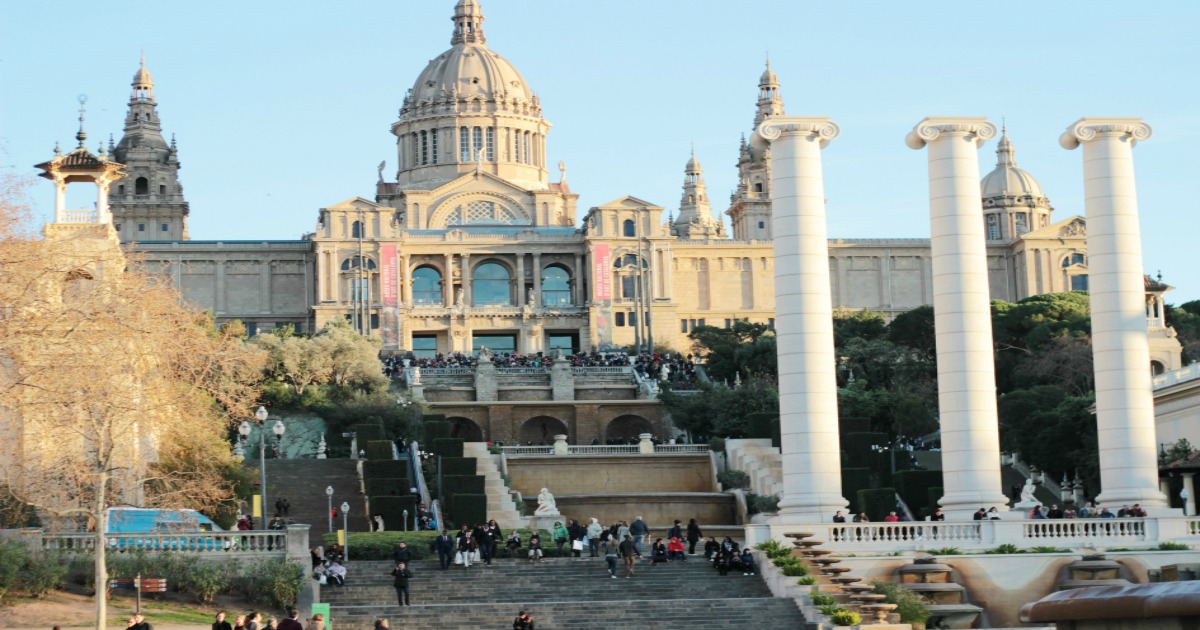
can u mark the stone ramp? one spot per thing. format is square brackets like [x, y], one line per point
[303, 482]
[561, 593]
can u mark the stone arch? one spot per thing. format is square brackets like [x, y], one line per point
[1157, 367]
[627, 426]
[541, 430]
[465, 428]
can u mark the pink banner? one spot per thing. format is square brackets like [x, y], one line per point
[601, 272]
[390, 290]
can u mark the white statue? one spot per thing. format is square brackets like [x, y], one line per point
[532, 299]
[546, 505]
[378, 523]
[414, 376]
[1027, 492]
[664, 373]
[458, 298]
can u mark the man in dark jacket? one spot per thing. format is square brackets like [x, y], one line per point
[402, 575]
[402, 553]
[444, 546]
[576, 532]
[524, 621]
[292, 622]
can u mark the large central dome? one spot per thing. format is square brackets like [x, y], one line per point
[469, 69]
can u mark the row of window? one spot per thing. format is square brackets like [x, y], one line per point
[141, 227]
[491, 286]
[141, 186]
[622, 319]
[688, 325]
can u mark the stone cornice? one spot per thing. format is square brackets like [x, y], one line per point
[1088, 129]
[813, 127]
[932, 127]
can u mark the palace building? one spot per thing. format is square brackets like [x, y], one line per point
[476, 241]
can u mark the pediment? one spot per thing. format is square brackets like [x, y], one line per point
[627, 202]
[354, 204]
[1074, 227]
[479, 182]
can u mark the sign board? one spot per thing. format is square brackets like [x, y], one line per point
[390, 281]
[323, 608]
[601, 272]
[256, 502]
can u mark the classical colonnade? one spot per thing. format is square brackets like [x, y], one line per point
[966, 373]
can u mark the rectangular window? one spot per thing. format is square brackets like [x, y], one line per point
[761, 225]
[251, 329]
[478, 137]
[701, 322]
[516, 145]
[374, 321]
[464, 145]
[620, 318]
[691, 324]
[141, 227]
[433, 146]
[528, 154]
[728, 324]
[632, 319]
[162, 189]
[424, 347]
[628, 287]
[416, 149]
[424, 148]
[164, 227]
[771, 323]
[683, 326]
[491, 144]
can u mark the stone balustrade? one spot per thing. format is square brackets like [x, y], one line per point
[605, 449]
[291, 543]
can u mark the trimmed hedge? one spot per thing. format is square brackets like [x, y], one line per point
[435, 428]
[763, 425]
[448, 447]
[385, 469]
[367, 433]
[914, 485]
[458, 466]
[470, 509]
[462, 484]
[935, 494]
[877, 503]
[392, 510]
[387, 487]
[853, 480]
[378, 449]
[858, 445]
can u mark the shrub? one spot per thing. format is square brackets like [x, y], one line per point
[853, 480]
[731, 479]
[13, 556]
[204, 580]
[763, 425]
[392, 508]
[1005, 549]
[458, 466]
[44, 574]
[946, 551]
[823, 600]
[877, 503]
[1172, 546]
[762, 503]
[367, 433]
[914, 485]
[909, 605]
[845, 618]
[448, 447]
[829, 609]
[1048, 549]
[717, 444]
[794, 570]
[378, 449]
[385, 469]
[469, 508]
[279, 581]
[386, 487]
[807, 580]
[436, 427]
[462, 484]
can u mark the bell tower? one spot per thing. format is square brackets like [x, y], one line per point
[750, 204]
[149, 206]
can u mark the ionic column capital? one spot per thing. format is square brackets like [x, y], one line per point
[976, 128]
[821, 128]
[1087, 129]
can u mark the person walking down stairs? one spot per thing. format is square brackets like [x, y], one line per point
[611, 553]
[630, 552]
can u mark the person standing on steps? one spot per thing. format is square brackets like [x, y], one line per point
[402, 553]
[630, 552]
[640, 531]
[594, 531]
[402, 575]
[578, 536]
[693, 536]
[611, 553]
[676, 531]
[444, 547]
[559, 533]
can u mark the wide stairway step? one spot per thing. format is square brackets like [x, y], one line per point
[560, 593]
[303, 483]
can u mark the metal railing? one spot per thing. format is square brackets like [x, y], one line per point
[257, 542]
[523, 370]
[609, 369]
[604, 449]
[681, 448]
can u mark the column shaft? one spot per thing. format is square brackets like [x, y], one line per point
[1120, 345]
[962, 315]
[812, 476]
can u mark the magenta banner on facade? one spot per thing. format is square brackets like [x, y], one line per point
[390, 291]
[601, 274]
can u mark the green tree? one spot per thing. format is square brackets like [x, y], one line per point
[720, 346]
[1185, 319]
[719, 410]
[914, 329]
[857, 324]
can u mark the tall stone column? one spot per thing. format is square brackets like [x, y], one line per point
[1120, 346]
[812, 472]
[962, 314]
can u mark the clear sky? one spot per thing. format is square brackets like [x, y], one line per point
[281, 108]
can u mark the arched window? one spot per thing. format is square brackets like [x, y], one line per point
[1074, 259]
[427, 286]
[628, 228]
[993, 228]
[356, 262]
[141, 186]
[491, 286]
[556, 286]
[356, 230]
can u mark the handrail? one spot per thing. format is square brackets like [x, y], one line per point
[237, 542]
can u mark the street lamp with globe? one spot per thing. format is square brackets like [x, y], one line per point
[329, 495]
[345, 520]
[262, 416]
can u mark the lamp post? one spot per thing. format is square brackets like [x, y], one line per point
[345, 512]
[278, 429]
[329, 512]
[405, 519]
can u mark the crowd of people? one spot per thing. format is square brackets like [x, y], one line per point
[258, 621]
[673, 367]
[1087, 511]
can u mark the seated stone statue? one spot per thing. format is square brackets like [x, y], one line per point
[546, 505]
[1027, 494]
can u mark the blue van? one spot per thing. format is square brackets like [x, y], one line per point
[129, 520]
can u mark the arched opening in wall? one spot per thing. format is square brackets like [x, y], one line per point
[356, 230]
[491, 285]
[541, 430]
[141, 186]
[1156, 368]
[628, 229]
[465, 429]
[627, 427]
[427, 286]
[556, 286]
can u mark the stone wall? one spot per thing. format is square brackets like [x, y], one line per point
[608, 474]
[658, 509]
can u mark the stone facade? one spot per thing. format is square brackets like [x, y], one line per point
[472, 245]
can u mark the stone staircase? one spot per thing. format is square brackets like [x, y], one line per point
[760, 460]
[948, 606]
[500, 502]
[560, 593]
[1093, 570]
[303, 482]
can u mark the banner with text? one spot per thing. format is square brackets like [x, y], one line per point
[602, 294]
[390, 290]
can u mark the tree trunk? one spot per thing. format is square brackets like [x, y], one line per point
[101, 516]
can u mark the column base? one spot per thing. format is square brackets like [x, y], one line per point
[810, 508]
[1147, 498]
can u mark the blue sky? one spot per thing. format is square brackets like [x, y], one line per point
[282, 108]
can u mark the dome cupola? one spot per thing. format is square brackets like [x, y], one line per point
[1013, 201]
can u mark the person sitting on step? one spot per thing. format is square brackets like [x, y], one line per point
[676, 550]
[535, 547]
[746, 560]
[658, 552]
[711, 547]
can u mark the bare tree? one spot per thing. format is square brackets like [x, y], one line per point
[112, 390]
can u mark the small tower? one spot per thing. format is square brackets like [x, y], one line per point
[150, 206]
[695, 220]
[1166, 353]
[750, 203]
[1013, 201]
[81, 165]
[468, 23]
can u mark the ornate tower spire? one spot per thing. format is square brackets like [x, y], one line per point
[695, 218]
[1005, 154]
[468, 23]
[770, 103]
